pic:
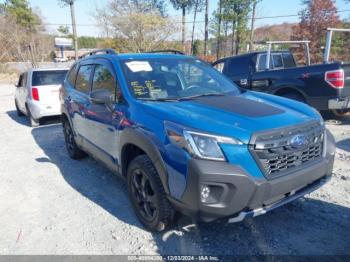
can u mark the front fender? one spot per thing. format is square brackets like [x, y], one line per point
[148, 143]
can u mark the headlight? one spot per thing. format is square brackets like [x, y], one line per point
[201, 145]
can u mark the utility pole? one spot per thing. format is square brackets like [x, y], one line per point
[252, 28]
[206, 30]
[74, 26]
[218, 41]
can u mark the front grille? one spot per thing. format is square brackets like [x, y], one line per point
[277, 155]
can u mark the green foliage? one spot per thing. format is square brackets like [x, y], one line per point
[182, 4]
[197, 47]
[89, 42]
[64, 30]
[149, 5]
[234, 18]
[21, 12]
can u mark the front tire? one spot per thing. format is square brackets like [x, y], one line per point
[147, 195]
[72, 148]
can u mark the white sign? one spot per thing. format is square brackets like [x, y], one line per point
[139, 66]
[63, 42]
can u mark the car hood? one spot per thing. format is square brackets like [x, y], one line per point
[237, 116]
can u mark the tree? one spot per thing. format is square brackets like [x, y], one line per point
[184, 5]
[64, 30]
[196, 47]
[206, 27]
[136, 25]
[231, 15]
[198, 7]
[20, 11]
[149, 5]
[315, 19]
[22, 35]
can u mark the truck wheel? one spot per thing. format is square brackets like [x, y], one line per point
[147, 195]
[73, 150]
[33, 122]
[19, 112]
[341, 113]
[295, 96]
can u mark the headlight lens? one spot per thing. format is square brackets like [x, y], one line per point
[197, 144]
[206, 146]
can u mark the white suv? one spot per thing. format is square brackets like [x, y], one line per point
[37, 93]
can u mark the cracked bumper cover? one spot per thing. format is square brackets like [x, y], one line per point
[240, 195]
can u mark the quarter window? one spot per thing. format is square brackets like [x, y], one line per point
[104, 79]
[83, 78]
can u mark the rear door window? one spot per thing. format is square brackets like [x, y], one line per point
[72, 75]
[52, 77]
[83, 78]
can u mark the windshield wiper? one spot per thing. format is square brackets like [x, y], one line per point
[160, 99]
[178, 99]
[201, 95]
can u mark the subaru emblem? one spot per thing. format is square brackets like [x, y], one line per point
[299, 141]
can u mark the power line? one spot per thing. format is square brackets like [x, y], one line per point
[190, 22]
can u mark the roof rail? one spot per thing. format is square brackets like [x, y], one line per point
[176, 52]
[102, 51]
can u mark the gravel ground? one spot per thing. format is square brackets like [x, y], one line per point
[50, 204]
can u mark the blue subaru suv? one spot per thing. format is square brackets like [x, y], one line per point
[186, 139]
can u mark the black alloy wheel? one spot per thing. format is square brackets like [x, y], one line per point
[72, 148]
[147, 194]
[144, 195]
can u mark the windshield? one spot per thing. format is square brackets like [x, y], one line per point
[163, 78]
[43, 78]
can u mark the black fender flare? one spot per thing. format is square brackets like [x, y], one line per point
[293, 89]
[65, 114]
[138, 138]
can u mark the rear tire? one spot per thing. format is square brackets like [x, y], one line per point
[72, 148]
[19, 112]
[33, 122]
[147, 195]
[341, 113]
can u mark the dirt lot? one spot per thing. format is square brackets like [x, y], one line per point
[50, 204]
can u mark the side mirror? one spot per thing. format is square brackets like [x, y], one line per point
[102, 96]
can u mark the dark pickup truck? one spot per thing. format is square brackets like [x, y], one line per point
[324, 86]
